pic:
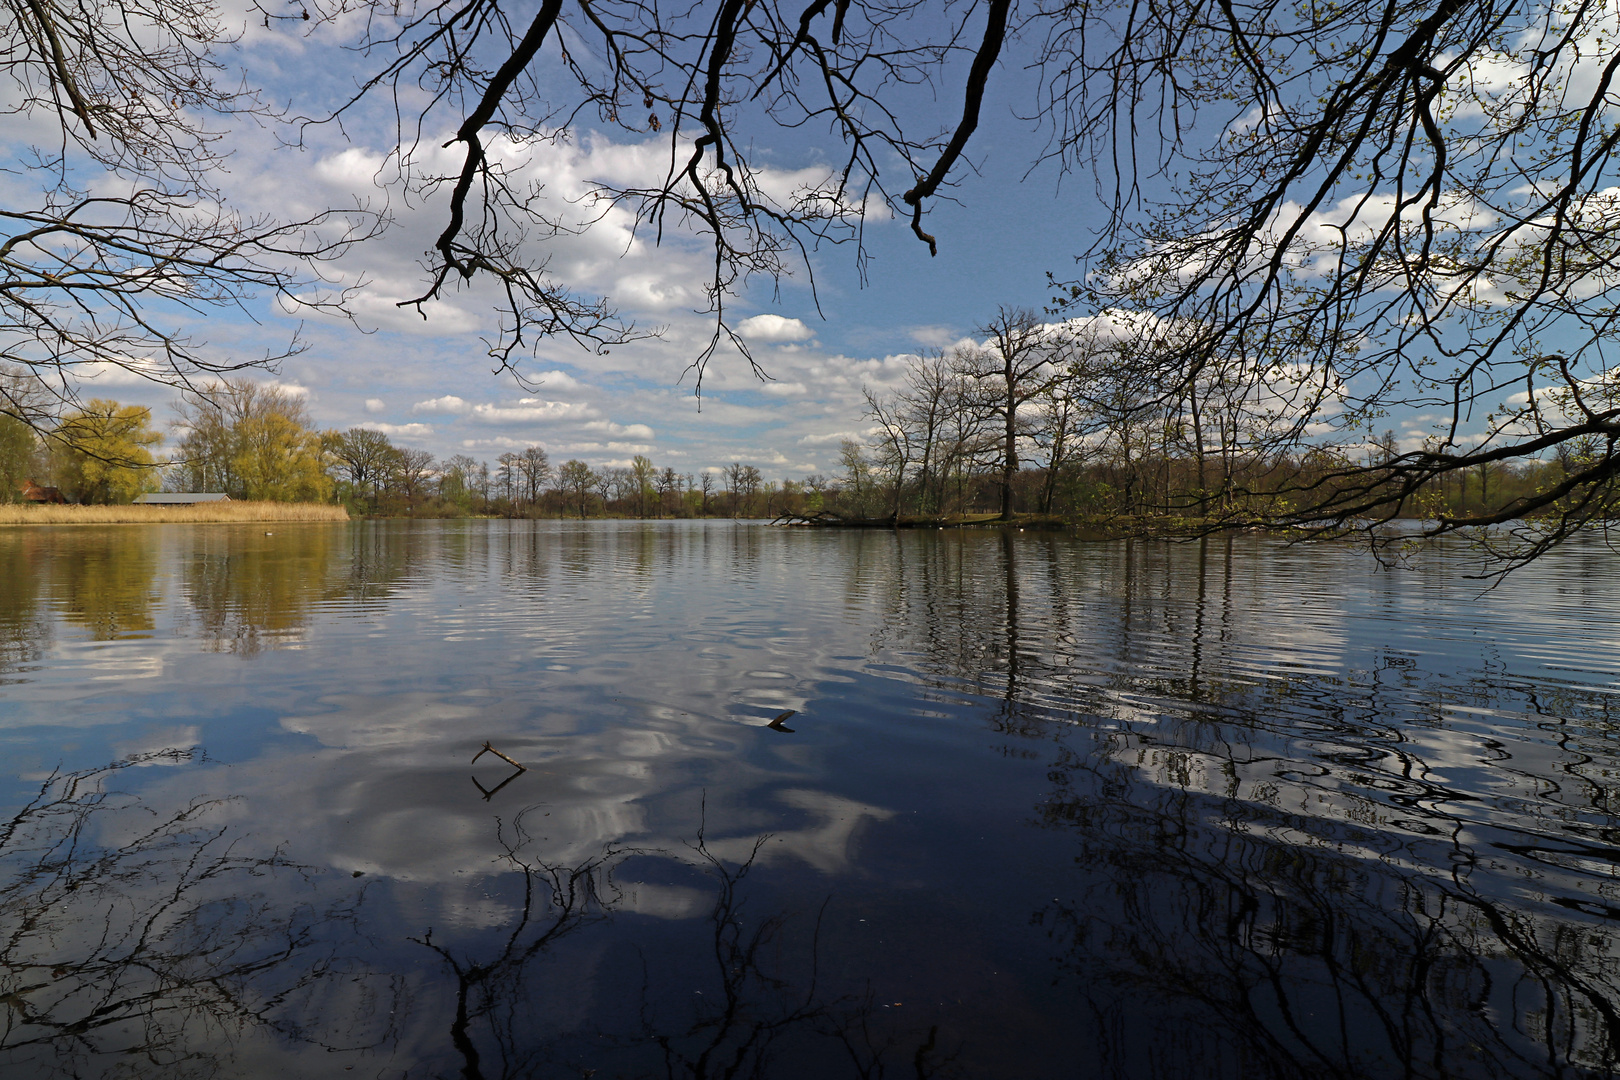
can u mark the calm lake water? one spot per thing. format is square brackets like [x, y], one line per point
[1030, 807]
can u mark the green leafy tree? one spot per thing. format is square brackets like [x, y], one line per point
[103, 452]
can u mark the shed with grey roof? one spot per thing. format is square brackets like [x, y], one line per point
[181, 498]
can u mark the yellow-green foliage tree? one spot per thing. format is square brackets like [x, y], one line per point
[103, 452]
[279, 458]
[252, 442]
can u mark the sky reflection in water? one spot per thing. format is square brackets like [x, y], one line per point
[1047, 808]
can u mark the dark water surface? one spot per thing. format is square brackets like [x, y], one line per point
[1043, 808]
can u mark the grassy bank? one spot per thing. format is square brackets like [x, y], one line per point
[221, 512]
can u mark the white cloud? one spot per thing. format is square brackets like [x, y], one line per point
[379, 307]
[831, 437]
[352, 169]
[632, 431]
[532, 410]
[500, 442]
[936, 336]
[449, 403]
[375, 405]
[131, 372]
[406, 431]
[557, 380]
[774, 328]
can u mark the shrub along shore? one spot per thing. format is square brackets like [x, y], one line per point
[219, 512]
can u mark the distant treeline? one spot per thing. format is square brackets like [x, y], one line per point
[1009, 428]
[257, 442]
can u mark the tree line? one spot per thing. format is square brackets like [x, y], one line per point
[1078, 419]
[1033, 418]
[256, 441]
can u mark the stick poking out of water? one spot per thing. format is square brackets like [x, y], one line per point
[776, 725]
[488, 749]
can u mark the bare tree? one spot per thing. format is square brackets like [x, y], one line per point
[616, 484]
[751, 481]
[534, 468]
[669, 483]
[1019, 361]
[734, 484]
[367, 459]
[926, 400]
[1364, 223]
[508, 475]
[577, 480]
[893, 443]
[413, 467]
[504, 82]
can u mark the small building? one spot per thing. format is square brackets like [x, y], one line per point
[181, 498]
[33, 493]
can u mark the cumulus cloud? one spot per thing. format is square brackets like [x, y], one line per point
[774, 328]
[501, 442]
[133, 371]
[449, 403]
[404, 431]
[375, 405]
[532, 410]
[380, 307]
[557, 380]
[831, 437]
[936, 336]
[632, 431]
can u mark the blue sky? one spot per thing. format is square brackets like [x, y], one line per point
[429, 383]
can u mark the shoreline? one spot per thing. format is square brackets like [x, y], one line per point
[221, 513]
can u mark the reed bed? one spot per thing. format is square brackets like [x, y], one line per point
[220, 513]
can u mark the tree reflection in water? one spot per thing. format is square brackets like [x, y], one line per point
[25, 632]
[1281, 956]
[1281, 873]
[745, 1001]
[139, 943]
[107, 586]
[158, 949]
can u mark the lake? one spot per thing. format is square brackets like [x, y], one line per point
[800, 803]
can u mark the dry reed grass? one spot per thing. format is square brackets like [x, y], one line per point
[220, 512]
